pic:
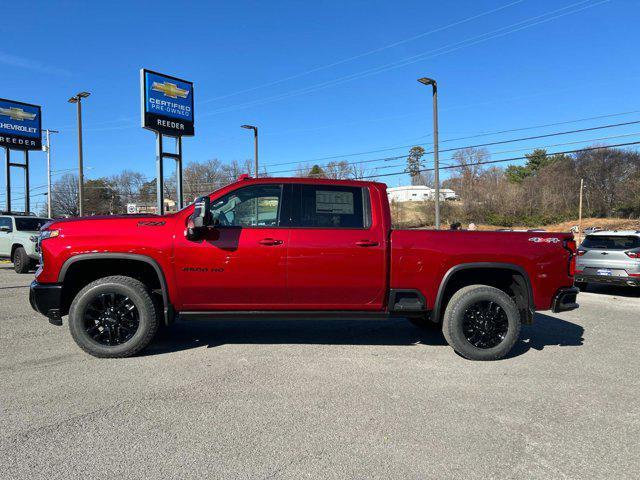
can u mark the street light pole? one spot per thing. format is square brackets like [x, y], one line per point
[48, 149]
[255, 145]
[77, 99]
[436, 161]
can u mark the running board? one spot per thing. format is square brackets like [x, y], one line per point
[290, 314]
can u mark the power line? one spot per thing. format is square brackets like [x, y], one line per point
[513, 159]
[416, 58]
[365, 54]
[488, 144]
[477, 135]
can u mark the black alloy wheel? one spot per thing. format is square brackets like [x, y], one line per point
[481, 322]
[111, 319]
[485, 324]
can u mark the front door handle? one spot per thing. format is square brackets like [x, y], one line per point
[270, 242]
[367, 243]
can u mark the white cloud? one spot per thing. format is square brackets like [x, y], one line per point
[30, 64]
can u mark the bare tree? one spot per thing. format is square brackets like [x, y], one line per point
[360, 172]
[65, 196]
[338, 170]
[127, 185]
[202, 178]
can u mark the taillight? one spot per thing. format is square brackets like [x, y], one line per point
[581, 252]
[633, 254]
[571, 246]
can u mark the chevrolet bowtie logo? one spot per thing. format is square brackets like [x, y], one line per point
[170, 89]
[17, 114]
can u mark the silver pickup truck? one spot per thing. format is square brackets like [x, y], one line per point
[19, 240]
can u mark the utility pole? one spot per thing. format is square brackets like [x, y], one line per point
[436, 161]
[255, 145]
[580, 212]
[47, 148]
[77, 99]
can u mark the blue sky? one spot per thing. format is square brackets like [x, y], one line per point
[320, 79]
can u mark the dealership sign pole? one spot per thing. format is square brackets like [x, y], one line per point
[20, 129]
[167, 109]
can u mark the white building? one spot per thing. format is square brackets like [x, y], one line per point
[418, 193]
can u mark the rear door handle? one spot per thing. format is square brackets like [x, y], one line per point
[367, 243]
[269, 241]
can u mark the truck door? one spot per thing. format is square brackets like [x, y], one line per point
[241, 263]
[6, 227]
[336, 256]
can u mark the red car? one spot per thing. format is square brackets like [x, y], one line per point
[296, 247]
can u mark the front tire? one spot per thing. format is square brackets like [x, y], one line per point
[113, 317]
[21, 261]
[481, 322]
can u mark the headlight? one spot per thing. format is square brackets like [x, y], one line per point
[49, 234]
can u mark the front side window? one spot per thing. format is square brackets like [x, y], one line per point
[328, 206]
[254, 206]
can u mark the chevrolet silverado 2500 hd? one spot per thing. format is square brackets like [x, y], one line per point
[281, 247]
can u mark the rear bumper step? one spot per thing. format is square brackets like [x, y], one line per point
[565, 300]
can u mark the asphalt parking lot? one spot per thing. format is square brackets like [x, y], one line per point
[322, 399]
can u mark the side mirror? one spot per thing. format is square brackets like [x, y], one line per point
[200, 219]
[5, 229]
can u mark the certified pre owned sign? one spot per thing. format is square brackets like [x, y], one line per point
[20, 125]
[167, 104]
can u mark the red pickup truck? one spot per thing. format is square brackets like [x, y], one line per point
[283, 247]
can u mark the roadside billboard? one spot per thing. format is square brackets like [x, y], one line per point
[167, 104]
[20, 125]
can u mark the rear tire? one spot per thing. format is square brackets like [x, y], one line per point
[481, 322]
[21, 261]
[113, 317]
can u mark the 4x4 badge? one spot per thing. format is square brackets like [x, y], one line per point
[544, 240]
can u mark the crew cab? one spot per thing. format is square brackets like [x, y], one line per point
[293, 247]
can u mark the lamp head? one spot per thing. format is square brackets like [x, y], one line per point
[427, 81]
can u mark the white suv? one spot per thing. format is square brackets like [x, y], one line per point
[19, 240]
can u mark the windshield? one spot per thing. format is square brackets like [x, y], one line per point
[30, 224]
[611, 242]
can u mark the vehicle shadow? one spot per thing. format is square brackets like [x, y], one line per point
[547, 330]
[184, 335]
[613, 290]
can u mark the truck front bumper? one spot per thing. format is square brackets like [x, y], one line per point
[46, 298]
[565, 300]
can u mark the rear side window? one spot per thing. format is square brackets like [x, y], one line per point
[330, 206]
[30, 223]
[611, 242]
